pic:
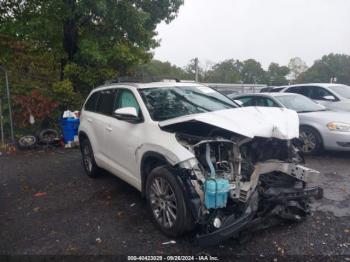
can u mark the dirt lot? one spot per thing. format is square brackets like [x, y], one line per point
[49, 206]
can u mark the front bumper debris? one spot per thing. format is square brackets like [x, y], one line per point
[281, 198]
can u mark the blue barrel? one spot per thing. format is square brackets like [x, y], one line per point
[69, 128]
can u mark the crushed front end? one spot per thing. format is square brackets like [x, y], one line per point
[237, 184]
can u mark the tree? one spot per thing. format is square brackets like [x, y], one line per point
[92, 40]
[330, 66]
[277, 74]
[227, 71]
[252, 72]
[296, 66]
[158, 68]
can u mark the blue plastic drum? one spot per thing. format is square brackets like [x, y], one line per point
[69, 128]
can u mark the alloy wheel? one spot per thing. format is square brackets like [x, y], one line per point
[163, 202]
[310, 141]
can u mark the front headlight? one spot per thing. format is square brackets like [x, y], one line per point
[338, 126]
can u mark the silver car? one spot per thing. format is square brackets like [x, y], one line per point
[320, 128]
[333, 96]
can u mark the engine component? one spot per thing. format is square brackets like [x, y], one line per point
[216, 192]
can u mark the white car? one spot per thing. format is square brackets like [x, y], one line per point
[333, 96]
[200, 160]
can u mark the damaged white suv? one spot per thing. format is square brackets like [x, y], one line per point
[201, 161]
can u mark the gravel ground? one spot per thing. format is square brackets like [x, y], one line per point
[48, 206]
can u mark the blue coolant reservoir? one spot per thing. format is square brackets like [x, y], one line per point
[216, 193]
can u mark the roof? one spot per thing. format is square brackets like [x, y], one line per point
[263, 94]
[315, 84]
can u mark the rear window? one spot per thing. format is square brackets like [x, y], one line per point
[90, 105]
[106, 102]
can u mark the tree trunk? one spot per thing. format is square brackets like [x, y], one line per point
[70, 35]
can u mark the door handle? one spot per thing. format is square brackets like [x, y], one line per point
[109, 129]
[89, 120]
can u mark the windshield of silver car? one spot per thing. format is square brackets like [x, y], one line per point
[169, 102]
[342, 90]
[299, 103]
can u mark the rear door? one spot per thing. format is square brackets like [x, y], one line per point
[89, 118]
[104, 114]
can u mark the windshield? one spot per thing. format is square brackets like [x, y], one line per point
[169, 102]
[299, 103]
[342, 90]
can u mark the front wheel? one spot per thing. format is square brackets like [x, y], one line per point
[166, 202]
[312, 141]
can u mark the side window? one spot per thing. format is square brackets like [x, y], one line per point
[247, 100]
[126, 98]
[90, 105]
[265, 101]
[318, 93]
[105, 102]
[301, 90]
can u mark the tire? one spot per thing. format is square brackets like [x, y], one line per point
[48, 136]
[312, 141]
[27, 142]
[166, 202]
[89, 163]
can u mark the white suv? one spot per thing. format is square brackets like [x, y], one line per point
[200, 160]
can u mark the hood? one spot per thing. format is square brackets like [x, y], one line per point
[325, 117]
[343, 105]
[266, 122]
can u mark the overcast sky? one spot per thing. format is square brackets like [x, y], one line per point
[266, 30]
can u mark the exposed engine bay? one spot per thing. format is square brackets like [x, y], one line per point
[238, 184]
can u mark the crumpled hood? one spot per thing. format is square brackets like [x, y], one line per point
[266, 122]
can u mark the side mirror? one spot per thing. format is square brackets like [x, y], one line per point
[127, 113]
[329, 98]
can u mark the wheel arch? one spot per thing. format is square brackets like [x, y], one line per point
[149, 161]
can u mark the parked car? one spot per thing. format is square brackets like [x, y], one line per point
[200, 161]
[333, 96]
[320, 128]
[271, 89]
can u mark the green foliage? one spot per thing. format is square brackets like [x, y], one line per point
[330, 66]
[276, 75]
[227, 71]
[63, 48]
[67, 98]
[161, 69]
[252, 72]
[93, 35]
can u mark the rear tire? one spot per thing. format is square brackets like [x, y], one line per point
[166, 202]
[89, 163]
[312, 141]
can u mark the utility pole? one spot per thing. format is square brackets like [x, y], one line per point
[9, 102]
[196, 68]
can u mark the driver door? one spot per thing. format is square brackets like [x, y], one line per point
[122, 137]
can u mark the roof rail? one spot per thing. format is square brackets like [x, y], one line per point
[140, 79]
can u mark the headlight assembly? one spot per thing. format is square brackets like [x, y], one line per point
[338, 126]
